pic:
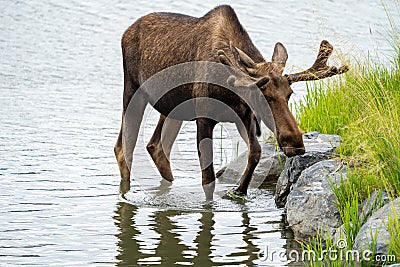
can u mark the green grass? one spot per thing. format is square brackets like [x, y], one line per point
[318, 247]
[363, 107]
[394, 230]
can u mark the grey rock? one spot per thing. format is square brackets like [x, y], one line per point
[373, 203]
[318, 147]
[315, 141]
[392, 265]
[311, 205]
[272, 162]
[376, 226]
[340, 234]
[268, 169]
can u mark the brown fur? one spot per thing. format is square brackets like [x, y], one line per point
[160, 40]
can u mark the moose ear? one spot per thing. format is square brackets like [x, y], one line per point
[262, 81]
[280, 55]
[248, 83]
[242, 59]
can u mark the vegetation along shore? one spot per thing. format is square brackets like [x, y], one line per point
[363, 107]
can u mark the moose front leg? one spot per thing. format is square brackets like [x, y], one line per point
[205, 150]
[253, 156]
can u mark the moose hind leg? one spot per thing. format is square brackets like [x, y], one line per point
[127, 138]
[160, 145]
[120, 156]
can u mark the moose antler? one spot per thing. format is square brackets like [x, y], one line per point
[241, 60]
[235, 81]
[319, 69]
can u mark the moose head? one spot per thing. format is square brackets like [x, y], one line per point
[275, 87]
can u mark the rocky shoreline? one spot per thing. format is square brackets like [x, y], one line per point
[303, 190]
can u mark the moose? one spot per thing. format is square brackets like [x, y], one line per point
[248, 88]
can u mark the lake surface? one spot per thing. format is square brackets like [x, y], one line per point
[61, 200]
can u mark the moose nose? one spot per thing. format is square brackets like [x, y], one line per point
[292, 151]
[292, 146]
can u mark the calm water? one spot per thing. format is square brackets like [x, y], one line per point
[61, 201]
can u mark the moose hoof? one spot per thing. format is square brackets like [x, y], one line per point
[236, 195]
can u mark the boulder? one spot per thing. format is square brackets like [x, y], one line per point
[311, 204]
[318, 147]
[268, 169]
[272, 161]
[376, 227]
[340, 234]
[373, 203]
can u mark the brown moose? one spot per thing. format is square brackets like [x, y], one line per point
[157, 42]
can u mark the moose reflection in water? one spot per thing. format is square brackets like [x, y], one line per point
[207, 69]
[153, 236]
